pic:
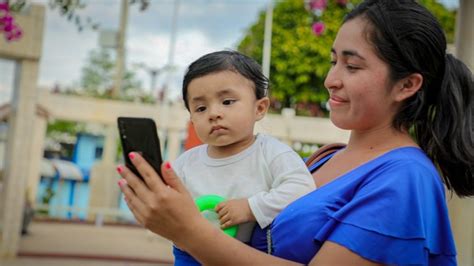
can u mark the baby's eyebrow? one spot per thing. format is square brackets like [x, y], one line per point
[220, 93]
[224, 92]
[198, 99]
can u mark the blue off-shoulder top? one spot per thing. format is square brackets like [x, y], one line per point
[390, 210]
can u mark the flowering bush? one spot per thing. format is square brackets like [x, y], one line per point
[8, 27]
[317, 7]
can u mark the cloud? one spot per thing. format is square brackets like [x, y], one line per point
[153, 50]
[202, 26]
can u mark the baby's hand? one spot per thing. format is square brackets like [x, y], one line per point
[234, 212]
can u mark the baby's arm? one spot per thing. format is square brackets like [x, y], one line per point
[291, 180]
[233, 212]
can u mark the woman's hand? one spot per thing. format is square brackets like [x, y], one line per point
[163, 206]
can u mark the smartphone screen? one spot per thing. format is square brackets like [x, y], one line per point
[140, 135]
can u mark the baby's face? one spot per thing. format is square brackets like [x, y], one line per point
[224, 109]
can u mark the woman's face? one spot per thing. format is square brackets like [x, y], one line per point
[358, 82]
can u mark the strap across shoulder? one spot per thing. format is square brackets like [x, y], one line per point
[323, 152]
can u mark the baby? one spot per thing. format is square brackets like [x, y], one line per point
[225, 93]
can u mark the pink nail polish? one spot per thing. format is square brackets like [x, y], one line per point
[119, 169]
[167, 165]
[131, 156]
[121, 182]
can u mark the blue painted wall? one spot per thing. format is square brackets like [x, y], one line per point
[87, 151]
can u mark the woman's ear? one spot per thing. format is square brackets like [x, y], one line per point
[261, 107]
[407, 87]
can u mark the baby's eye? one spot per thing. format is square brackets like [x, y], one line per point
[200, 109]
[228, 102]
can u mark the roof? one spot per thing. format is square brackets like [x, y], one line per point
[63, 169]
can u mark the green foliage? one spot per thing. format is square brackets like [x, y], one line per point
[96, 81]
[299, 58]
[446, 17]
[99, 73]
[62, 126]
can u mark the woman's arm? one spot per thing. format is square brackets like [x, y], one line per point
[334, 254]
[168, 210]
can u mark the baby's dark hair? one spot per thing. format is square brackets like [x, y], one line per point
[222, 61]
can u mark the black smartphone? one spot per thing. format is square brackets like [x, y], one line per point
[140, 135]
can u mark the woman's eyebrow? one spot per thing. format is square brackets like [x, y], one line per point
[349, 53]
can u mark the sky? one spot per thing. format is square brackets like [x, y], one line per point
[203, 26]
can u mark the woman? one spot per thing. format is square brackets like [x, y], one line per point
[380, 200]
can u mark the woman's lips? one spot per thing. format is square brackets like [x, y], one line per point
[335, 101]
[337, 98]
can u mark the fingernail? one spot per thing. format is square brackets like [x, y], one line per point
[167, 165]
[121, 182]
[131, 156]
[119, 169]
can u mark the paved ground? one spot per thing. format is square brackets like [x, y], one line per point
[54, 244]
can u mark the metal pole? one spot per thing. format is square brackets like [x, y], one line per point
[120, 61]
[174, 25]
[267, 41]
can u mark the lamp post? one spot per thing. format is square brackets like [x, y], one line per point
[120, 63]
[267, 41]
[154, 72]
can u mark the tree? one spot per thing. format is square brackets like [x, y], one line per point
[98, 75]
[96, 81]
[71, 10]
[446, 17]
[299, 58]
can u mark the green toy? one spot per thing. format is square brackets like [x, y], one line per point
[209, 203]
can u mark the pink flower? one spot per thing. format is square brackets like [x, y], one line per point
[4, 6]
[8, 27]
[318, 4]
[7, 19]
[318, 28]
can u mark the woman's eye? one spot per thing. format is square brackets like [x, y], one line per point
[228, 102]
[200, 109]
[333, 62]
[352, 68]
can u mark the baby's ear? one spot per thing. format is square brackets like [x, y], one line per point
[407, 87]
[261, 107]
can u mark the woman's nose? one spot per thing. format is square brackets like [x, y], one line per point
[333, 81]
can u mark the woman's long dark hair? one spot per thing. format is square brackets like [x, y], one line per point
[410, 40]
